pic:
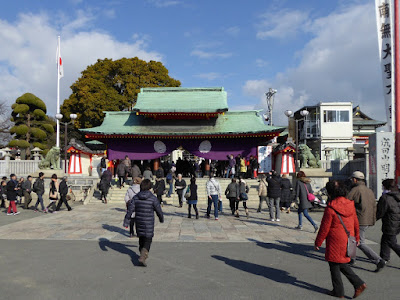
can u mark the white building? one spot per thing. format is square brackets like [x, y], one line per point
[328, 125]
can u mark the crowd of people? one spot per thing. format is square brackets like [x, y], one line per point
[20, 192]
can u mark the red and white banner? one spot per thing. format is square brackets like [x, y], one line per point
[385, 26]
[60, 66]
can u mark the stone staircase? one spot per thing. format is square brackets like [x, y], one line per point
[116, 195]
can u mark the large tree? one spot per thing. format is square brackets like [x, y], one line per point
[32, 127]
[5, 124]
[112, 86]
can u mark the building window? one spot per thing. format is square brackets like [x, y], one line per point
[336, 116]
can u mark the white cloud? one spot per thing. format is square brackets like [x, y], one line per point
[281, 24]
[340, 63]
[28, 55]
[261, 63]
[209, 76]
[164, 3]
[232, 31]
[210, 54]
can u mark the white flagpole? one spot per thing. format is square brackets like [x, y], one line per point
[58, 92]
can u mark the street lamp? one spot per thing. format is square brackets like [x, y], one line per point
[59, 118]
[304, 113]
[270, 103]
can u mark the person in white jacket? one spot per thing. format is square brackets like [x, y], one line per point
[214, 194]
[130, 193]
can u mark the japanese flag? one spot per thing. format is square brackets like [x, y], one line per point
[60, 65]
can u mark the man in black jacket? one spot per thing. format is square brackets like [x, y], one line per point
[38, 188]
[144, 204]
[12, 194]
[274, 195]
[63, 190]
[389, 211]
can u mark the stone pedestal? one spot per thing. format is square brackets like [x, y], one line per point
[49, 172]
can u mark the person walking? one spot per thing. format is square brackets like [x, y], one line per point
[192, 199]
[53, 193]
[180, 185]
[121, 172]
[38, 188]
[3, 193]
[303, 188]
[243, 197]
[103, 165]
[389, 211]
[133, 190]
[63, 189]
[27, 189]
[20, 192]
[332, 230]
[104, 185]
[159, 189]
[286, 193]
[12, 190]
[365, 204]
[232, 193]
[213, 194]
[230, 172]
[135, 171]
[262, 192]
[274, 196]
[147, 174]
[243, 167]
[144, 205]
[170, 180]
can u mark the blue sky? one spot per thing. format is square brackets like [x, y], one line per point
[310, 51]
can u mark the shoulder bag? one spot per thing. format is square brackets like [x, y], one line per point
[187, 194]
[310, 196]
[351, 240]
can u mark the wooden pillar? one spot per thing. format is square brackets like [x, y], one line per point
[156, 164]
[207, 167]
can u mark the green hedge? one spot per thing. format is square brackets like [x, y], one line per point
[31, 99]
[19, 144]
[39, 133]
[49, 128]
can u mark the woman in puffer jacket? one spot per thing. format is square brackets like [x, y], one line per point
[332, 230]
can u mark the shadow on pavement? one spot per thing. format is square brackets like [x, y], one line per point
[113, 228]
[276, 275]
[119, 209]
[292, 248]
[106, 244]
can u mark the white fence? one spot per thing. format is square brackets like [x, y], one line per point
[18, 167]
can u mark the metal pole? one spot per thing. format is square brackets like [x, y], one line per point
[297, 144]
[396, 89]
[65, 146]
[58, 93]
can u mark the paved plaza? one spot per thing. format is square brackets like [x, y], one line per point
[86, 254]
[99, 221]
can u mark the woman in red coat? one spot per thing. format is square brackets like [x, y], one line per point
[333, 232]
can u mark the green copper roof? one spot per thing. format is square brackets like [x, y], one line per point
[185, 100]
[235, 122]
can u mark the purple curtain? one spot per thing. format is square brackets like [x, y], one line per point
[215, 149]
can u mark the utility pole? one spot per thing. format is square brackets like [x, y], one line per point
[270, 103]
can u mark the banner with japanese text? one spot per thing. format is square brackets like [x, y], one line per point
[385, 26]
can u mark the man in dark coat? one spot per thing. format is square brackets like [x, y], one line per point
[63, 190]
[121, 172]
[38, 188]
[389, 211]
[144, 204]
[274, 195]
[12, 194]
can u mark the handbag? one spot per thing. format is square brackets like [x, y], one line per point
[243, 196]
[310, 196]
[351, 241]
[187, 194]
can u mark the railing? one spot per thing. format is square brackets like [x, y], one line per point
[343, 168]
[18, 167]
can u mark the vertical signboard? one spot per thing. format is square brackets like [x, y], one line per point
[385, 26]
[382, 162]
[264, 159]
